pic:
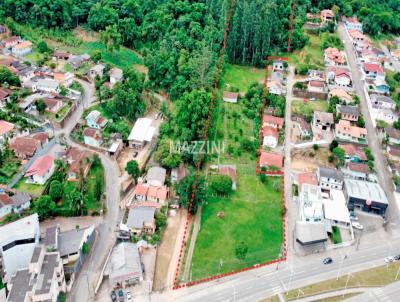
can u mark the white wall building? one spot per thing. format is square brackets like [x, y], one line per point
[17, 242]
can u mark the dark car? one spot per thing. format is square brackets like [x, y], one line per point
[397, 257]
[327, 260]
[134, 154]
[113, 296]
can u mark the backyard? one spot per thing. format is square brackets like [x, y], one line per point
[35, 190]
[306, 109]
[9, 167]
[252, 215]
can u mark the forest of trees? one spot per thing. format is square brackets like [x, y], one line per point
[377, 16]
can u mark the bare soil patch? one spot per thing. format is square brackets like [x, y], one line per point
[308, 160]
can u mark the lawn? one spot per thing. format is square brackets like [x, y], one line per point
[241, 77]
[35, 190]
[60, 114]
[378, 276]
[252, 214]
[10, 167]
[311, 54]
[307, 109]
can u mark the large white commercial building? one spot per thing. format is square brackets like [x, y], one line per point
[18, 240]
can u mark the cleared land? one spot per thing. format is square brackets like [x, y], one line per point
[241, 77]
[252, 214]
[311, 54]
[307, 109]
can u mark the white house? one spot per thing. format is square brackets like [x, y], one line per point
[17, 242]
[270, 137]
[21, 49]
[141, 133]
[15, 203]
[116, 75]
[96, 70]
[46, 85]
[41, 169]
[329, 178]
[278, 65]
[383, 108]
[95, 120]
[353, 23]
[92, 137]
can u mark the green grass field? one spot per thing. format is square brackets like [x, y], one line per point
[241, 77]
[311, 54]
[253, 213]
[307, 109]
[35, 190]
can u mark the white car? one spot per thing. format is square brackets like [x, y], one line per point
[389, 259]
[357, 225]
[129, 296]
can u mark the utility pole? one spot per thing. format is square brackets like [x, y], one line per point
[340, 266]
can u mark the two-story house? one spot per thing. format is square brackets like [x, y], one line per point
[329, 178]
[92, 137]
[95, 120]
[348, 113]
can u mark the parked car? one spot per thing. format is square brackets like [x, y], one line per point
[113, 296]
[396, 258]
[357, 225]
[353, 216]
[134, 154]
[327, 260]
[389, 259]
[121, 295]
[128, 296]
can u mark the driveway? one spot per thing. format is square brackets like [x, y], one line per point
[384, 177]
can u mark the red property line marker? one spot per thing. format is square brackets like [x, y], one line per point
[271, 173]
[205, 132]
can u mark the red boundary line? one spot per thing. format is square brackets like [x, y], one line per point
[198, 166]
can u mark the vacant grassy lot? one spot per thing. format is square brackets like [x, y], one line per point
[9, 168]
[307, 109]
[35, 190]
[252, 214]
[241, 77]
[311, 54]
[378, 276]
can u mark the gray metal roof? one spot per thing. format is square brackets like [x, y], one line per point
[365, 190]
[138, 216]
[308, 233]
[124, 261]
[353, 110]
[45, 277]
[156, 173]
[20, 286]
[69, 242]
[331, 173]
[382, 98]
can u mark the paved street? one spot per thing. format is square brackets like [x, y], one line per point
[381, 169]
[263, 282]
[85, 283]
[288, 177]
[390, 293]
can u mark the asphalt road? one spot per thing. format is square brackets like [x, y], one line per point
[264, 282]
[390, 293]
[381, 169]
[85, 283]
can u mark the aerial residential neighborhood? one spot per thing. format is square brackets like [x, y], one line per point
[199, 150]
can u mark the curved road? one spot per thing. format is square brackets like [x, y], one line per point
[86, 281]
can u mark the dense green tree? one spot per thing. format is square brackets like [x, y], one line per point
[185, 188]
[132, 167]
[40, 105]
[6, 76]
[111, 38]
[166, 155]
[220, 184]
[44, 206]
[43, 47]
[241, 250]
[56, 190]
[340, 155]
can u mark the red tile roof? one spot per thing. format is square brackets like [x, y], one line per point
[356, 167]
[317, 83]
[268, 159]
[230, 95]
[41, 136]
[90, 132]
[273, 120]
[371, 67]
[25, 145]
[307, 178]
[270, 131]
[5, 127]
[228, 170]
[141, 189]
[4, 92]
[40, 166]
[5, 199]
[353, 150]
